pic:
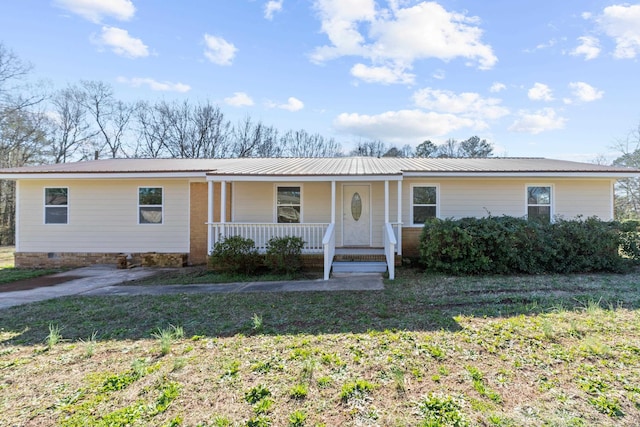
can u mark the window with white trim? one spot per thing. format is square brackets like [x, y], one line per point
[288, 204]
[539, 203]
[150, 205]
[56, 205]
[424, 203]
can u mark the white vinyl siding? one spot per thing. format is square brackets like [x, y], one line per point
[104, 217]
[479, 198]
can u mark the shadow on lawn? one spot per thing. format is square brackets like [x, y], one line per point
[414, 302]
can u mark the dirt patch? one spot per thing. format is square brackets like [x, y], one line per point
[36, 282]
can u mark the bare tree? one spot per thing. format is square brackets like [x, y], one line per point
[111, 117]
[627, 200]
[374, 148]
[152, 132]
[300, 143]
[71, 131]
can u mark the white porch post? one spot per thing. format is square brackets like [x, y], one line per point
[399, 237]
[333, 202]
[386, 202]
[210, 204]
[223, 206]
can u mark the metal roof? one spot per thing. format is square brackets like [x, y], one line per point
[335, 166]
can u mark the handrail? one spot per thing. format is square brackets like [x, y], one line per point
[389, 249]
[260, 233]
[329, 245]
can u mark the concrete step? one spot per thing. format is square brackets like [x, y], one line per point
[359, 267]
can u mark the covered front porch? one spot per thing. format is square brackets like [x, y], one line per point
[341, 219]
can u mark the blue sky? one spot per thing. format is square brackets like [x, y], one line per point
[545, 78]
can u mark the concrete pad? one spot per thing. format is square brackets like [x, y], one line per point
[93, 277]
[351, 282]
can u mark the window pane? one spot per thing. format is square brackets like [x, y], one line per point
[150, 215]
[539, 195]
[289, 214]
[422, 213]
[55, 215]
[540, 213]
[288, 195]
[55, 196]
[424, 195]
[150, 196]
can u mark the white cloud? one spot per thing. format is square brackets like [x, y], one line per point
[540, 92]
[399, 35]
[293, 104]
[218, 50]
[384, 75]
[620, 22]
[589, 47]
[121, 43]
[537, 122]
[154, 84]
[271, 7]
[468, 104]
[584, 92]
[439, 74]
[401, 126]
[497, 87]
[95, 10]
[239, 99]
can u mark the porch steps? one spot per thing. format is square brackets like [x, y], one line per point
[359, 266]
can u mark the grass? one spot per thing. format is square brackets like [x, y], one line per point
[428, 350]
[8, 273]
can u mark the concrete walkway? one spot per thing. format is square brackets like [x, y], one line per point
[106, 280]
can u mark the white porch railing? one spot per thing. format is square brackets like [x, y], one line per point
[397, 232]
[329, 244]
[390, 243]
[260, 233]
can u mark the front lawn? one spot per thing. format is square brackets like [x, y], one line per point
[428, 350]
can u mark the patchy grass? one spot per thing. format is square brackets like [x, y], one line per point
[6, 256]
[428, 350]
[10, 274]
[199, 275]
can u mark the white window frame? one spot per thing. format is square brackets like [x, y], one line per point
[411, 204]
[44, 211]
[275, 201]
[149, 206]
[551, 200]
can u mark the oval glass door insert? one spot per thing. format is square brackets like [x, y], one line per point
[356, 206]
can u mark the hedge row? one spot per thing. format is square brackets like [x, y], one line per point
[502, 245]
[237, 254]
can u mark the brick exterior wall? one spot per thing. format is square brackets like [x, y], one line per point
[198, 217]
[82, 259]
[411, 241]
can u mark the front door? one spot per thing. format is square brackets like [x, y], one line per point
[356, 215]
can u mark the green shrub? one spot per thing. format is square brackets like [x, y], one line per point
[501, 245]
[235, 254]
[283, 254]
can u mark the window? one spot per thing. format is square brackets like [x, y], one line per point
[149, 205]
[288, 206]
[424, 203]
[539, 203]
[56, 205]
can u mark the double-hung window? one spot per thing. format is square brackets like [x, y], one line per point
[150, 205]
[424, 203]
[288, 204]
[56, 205]
[539, 203]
